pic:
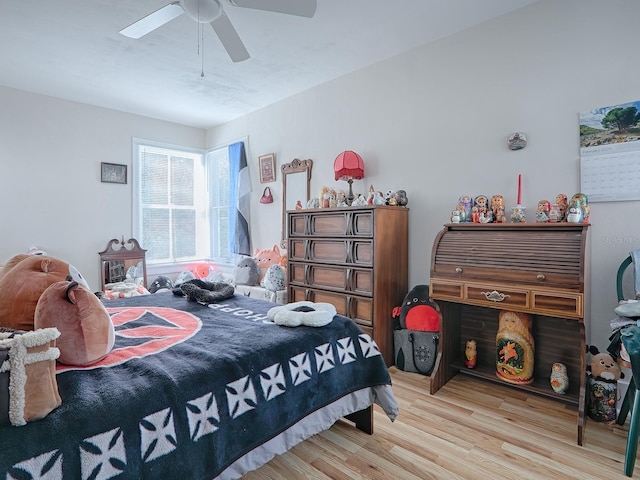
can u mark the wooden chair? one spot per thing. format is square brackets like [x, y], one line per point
[630, 397]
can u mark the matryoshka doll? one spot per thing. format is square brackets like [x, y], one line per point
[584, 204]
[559, 379]
[497, 202]
[470, 354]
[514, 347]
[555, 215]
[563, 205]
[575, 214]
[542, 211]
[465, 203]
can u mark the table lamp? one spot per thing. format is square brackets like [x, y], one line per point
[349, 166]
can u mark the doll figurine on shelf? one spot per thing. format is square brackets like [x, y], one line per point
[542, 211]
[584, 205]
[497, 201]
[470, 354]
[465, 203]
[563, 205]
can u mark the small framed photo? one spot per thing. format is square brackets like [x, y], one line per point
[267, 164]
[113, 173]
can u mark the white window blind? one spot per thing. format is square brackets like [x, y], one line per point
[181, 203]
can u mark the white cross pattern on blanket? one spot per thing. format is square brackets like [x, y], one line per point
[104, 453]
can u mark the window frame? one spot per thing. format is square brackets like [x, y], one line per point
[206, 234]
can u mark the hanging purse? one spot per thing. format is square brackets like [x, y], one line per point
[266, 196]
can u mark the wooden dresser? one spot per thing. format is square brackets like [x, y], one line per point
[541, 269]
[355, 258]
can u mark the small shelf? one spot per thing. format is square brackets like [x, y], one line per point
[538, 386]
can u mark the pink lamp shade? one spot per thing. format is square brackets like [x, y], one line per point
[348, 165]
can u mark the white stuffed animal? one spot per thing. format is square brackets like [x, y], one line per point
[302, 313]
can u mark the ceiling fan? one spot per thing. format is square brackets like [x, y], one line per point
[210, 11]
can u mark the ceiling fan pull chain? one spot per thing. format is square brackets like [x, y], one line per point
[202, 55]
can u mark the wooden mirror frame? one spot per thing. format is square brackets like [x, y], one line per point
[129, 253]
[297, 166]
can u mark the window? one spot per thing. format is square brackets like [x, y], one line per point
[181, 202]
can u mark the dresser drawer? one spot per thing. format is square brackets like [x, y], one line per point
[354, 252]
[354, 280]
[332, 223]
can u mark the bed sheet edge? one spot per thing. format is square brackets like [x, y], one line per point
[316, 422]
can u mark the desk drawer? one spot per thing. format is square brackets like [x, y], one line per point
[496, 296]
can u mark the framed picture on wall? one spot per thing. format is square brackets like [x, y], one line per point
[267, 164]
[113, 173]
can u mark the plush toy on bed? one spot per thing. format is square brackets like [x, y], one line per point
[87, 334]
[246, 272]
[265, 258]
[22, 280]
[275, 278]
[204, 292]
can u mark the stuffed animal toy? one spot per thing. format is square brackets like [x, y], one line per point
[204, 292]
[417, 311]
[12, 263]
[246, 272]
[603, 366]
[265, 258]
[87, 334]
[22, 283]
[305, 313]
[161, 283]
[275, 278]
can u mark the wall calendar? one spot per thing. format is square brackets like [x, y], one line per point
[610, 153]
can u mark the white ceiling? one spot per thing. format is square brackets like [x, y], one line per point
[71, 49]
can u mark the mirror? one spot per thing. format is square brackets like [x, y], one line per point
[296, 187]
[123, 262]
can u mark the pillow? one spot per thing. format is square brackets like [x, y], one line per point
[87, 334]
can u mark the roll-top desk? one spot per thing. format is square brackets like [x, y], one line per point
[355, 258]
[539, 269]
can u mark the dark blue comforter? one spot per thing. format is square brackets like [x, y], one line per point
[187, 390]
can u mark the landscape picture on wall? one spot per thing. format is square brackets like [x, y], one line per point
[607, 125]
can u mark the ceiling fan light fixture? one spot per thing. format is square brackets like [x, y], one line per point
[202, 11]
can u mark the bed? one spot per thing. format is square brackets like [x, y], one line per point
[199, 392]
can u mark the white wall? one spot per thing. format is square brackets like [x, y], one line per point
[50, 190]
[434, 122]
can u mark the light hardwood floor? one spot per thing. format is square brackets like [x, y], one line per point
[470, 429]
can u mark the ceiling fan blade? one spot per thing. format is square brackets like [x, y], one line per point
[301, 8]
[153, 20]
[230, 38]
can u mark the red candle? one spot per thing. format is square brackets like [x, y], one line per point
[519, 188]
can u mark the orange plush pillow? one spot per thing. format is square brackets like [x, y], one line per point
[22, 280]
[86, 331]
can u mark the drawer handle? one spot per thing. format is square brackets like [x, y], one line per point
[541, 276]
[458, 269]
[495, 296]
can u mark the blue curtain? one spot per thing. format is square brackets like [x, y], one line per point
[240, 193]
